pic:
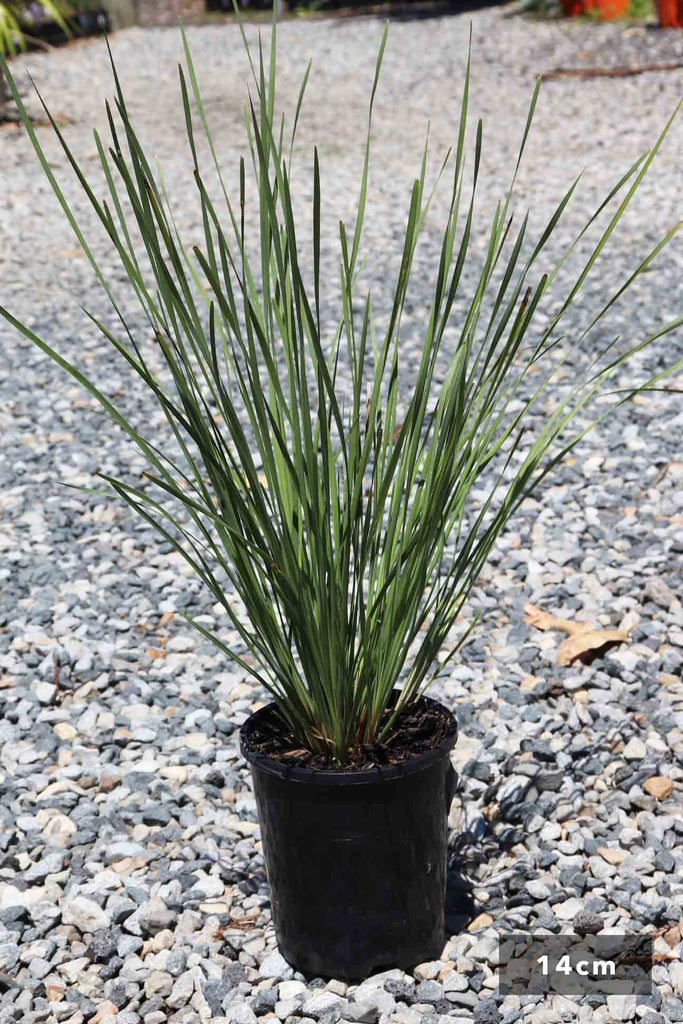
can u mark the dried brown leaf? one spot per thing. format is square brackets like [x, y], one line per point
[583, 636]
[544, 620]
[594, 640]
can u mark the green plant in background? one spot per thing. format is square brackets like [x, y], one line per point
[14, 19]
[641, 10]
[331, 517]
[541, 9]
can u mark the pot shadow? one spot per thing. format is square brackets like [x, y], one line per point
[460, 906]
[473, 855]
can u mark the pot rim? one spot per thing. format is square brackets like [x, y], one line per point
[345, 777]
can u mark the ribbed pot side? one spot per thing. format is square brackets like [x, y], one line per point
[356, 860]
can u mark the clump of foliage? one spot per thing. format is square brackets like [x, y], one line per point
[347, 529]
[16, 19]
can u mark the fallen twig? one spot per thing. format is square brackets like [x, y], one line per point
[605, 72]
[40, 43]
[12, 119]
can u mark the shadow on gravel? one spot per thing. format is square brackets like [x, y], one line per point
[401, 10]
[413, 12]
[439, 9]
[460, 905]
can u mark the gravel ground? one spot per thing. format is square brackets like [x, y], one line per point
[132, 885]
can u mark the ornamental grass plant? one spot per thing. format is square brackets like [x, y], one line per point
[346, 527]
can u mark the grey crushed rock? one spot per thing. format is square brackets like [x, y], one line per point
[129, 845]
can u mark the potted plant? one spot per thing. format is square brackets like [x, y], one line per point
[600, 10]
[90, 20]
[15, 17]
[38, 25]
[338, 509]
[670, 13]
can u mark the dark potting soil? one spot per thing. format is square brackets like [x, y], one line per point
[416, 729]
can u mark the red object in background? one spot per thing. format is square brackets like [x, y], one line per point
[605, 10]
[670, 13]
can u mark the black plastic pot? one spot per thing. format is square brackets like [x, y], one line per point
[356, 860]
[94, 22]
[85, 23]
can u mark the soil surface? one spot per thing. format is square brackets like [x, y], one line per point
[417, 728]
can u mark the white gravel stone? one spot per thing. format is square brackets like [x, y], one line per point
[159, 983]
[600, 868]
[567, 1009]
[657, 590]
[676, 976]
[322, 1003]
[44, 914]
[9, 956]
[635, 749]
[568, 910]
[288, 1007]
[84, 914]
[486, 949]
[73, 969]
[290, 989]
[428, 971]
[453, 981]
[10, 896]
[275, 966]
[378, 980]
[539, 890]
[50, 864]
[240, 1013]
[45, 692]
[622, 1007]
[182, 990]
[382, 1002]
[121, 850]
